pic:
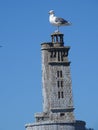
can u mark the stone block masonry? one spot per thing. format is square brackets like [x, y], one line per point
[58, 107]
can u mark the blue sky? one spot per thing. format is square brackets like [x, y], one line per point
[24, 26]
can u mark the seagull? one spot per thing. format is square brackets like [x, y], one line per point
[57, 21]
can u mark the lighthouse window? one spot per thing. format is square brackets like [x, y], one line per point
[51, 55]
[58, 84]
[58, 56]
[61, 83]
[62, 94]
[60, 73]
[54, 54]
[62, 114]
[58, 94]
[57, 73]
[62, 56]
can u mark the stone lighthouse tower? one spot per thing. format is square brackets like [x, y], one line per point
[58, 109]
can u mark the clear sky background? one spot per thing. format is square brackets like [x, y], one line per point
[24, 26]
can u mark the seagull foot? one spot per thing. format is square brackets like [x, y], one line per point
[57, 31]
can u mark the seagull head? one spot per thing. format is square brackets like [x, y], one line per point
[51, 12]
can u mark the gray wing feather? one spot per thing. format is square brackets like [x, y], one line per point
[61, 20]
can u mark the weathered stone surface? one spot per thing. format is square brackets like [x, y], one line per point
[57, 89]
[77, 125]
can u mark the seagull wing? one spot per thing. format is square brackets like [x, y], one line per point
[61, 20]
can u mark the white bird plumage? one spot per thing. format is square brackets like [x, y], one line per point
[57, 21]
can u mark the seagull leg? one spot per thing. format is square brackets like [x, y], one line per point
[58, 29]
